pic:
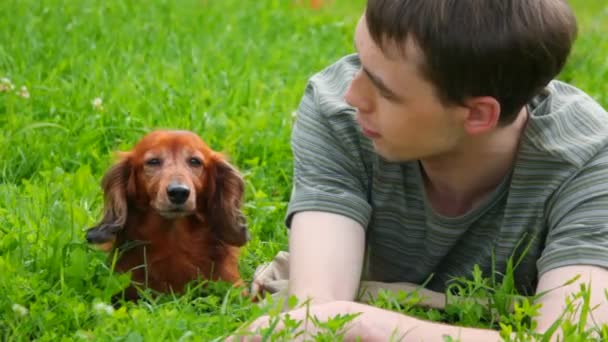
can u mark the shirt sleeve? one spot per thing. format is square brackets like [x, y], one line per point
[578, 220]
[329, 174]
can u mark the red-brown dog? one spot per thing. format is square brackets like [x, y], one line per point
[172, 212]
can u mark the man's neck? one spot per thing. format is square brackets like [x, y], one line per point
[457, 182]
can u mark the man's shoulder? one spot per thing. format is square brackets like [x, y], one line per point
[566, 124]
[323, 109]
[338, 74]
[325, 89]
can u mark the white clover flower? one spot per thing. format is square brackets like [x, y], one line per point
[97, 103]
[103, 308]
[23, 92]
[84, 335]
[6, 85]
[20, 310]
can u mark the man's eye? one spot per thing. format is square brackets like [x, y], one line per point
[195, 162]
[387, 95]
[153, 162]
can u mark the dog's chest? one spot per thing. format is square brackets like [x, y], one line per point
[174, 257]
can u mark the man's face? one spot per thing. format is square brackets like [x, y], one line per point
[398, 109]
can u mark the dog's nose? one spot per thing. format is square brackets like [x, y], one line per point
[178, 193]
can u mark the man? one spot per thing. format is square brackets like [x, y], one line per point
[442, 143]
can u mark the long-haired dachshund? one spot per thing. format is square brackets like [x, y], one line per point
[172, 212]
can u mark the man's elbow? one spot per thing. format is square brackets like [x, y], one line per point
[317, 293]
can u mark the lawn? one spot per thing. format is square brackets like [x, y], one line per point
[83, 79]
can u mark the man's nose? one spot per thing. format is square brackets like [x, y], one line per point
[357, 94]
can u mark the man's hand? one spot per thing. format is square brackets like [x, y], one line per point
[364, 322]
[369, 323]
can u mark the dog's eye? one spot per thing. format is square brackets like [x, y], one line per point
[195, 162]
[153, 162]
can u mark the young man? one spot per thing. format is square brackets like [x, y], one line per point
[444, 143]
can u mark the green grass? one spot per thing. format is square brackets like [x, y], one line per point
[230, 70]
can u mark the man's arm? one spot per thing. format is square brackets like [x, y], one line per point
[326, 256]
[382, 324]
[375, 324]
[553, 305]
[554, 301]
[577, 240]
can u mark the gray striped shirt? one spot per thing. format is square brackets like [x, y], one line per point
[551, 211]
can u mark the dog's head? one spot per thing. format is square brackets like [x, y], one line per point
[175, 174]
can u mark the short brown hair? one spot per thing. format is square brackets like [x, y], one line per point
[507, 49]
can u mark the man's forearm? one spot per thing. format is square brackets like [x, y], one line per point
[556, 294]
[377, 324]
[414, 329]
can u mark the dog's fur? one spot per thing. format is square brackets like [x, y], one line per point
[173, 213]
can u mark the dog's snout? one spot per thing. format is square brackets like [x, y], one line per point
[178, 193]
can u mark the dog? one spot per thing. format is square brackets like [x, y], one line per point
[172, 213]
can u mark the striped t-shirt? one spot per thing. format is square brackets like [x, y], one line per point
[553, 205]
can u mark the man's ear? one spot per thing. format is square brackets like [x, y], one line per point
[483, 114]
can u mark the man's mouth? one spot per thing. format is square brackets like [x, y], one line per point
[370, 133]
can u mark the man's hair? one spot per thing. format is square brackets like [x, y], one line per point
[507, 49]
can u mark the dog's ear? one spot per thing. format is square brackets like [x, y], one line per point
[222, 206]
[117, 183]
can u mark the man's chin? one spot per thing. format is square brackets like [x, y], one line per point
[392, 156]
